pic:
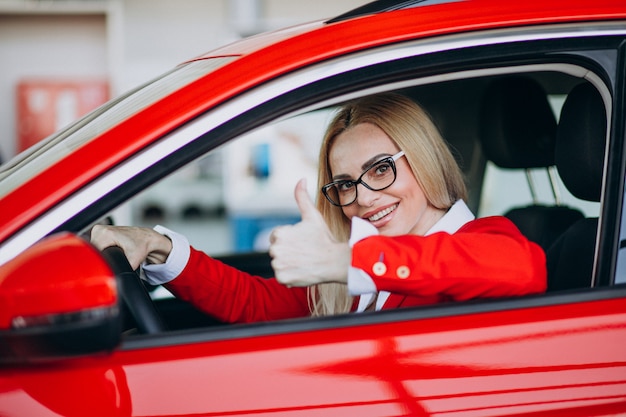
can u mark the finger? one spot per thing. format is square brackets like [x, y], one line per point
[272, 237]
[101, 237]
[304, 201]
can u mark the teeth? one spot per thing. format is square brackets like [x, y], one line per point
[382, 213]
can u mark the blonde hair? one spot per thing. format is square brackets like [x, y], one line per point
[428, 155]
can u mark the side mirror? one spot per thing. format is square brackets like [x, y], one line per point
[58, 298]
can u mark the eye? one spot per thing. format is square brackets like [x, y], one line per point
[344, 186]
[382, 168]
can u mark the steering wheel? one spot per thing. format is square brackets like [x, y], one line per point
[134, 293]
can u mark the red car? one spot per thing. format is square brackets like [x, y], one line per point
[78, 337]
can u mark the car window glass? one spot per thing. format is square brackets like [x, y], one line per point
[77, 134]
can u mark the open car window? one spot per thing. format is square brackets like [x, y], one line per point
[227, 201]
[226, 178]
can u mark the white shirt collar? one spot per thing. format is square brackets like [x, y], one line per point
[455, 218]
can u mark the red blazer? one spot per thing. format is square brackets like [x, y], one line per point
[486, 258]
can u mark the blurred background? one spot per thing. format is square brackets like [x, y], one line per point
[59, 59]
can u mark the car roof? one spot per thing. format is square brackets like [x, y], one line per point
[271, 55]
[381, 6]
[384, 21]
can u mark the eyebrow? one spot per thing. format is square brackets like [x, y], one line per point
[365, 165]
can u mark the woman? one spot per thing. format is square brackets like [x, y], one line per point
[390, 228]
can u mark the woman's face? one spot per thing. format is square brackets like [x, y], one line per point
[399, 209]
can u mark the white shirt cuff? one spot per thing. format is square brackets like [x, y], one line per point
[157, 274]
[359, 282]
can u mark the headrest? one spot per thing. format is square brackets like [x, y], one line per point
[518, 127]
[581, 141]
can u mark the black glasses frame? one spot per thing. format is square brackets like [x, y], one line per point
[392, 162]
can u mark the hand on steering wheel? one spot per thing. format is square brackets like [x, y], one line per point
[134, 293]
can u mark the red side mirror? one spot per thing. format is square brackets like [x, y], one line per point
[58, 298]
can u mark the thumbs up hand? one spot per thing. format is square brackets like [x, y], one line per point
[306, 253]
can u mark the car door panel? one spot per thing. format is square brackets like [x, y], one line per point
[486, 363]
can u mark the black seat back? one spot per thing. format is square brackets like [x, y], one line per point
[518, 131]
[580, 148]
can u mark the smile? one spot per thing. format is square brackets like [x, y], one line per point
[382, 213]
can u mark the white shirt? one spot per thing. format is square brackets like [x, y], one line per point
[157, 274]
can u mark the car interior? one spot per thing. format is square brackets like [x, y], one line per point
[546, 128]
[517, 129]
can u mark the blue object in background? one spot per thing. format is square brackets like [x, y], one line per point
[246, 229]
[261, 160]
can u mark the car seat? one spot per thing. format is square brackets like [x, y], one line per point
[518, 131]
[580, 147]
[454, 109]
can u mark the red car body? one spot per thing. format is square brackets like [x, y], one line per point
[560, 354]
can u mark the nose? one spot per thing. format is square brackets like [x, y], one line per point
[366, 197]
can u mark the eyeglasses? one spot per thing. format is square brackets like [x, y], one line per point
[378, 176]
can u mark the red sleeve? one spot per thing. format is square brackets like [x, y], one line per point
[488, 257]
[234, 296]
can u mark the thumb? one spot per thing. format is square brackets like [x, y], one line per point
[305, 204]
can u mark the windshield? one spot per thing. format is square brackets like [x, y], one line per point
[50, 150]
